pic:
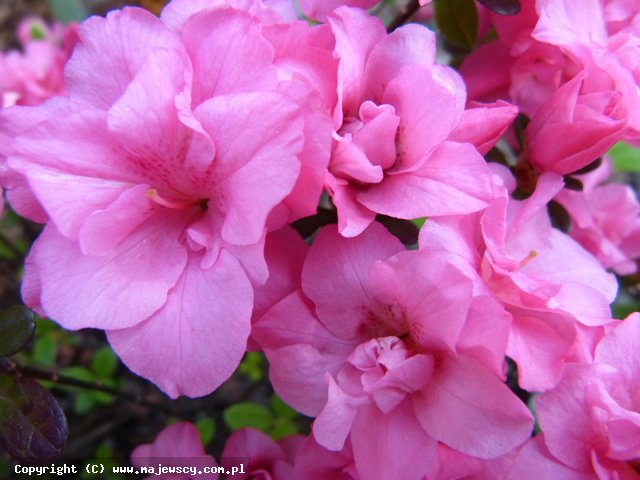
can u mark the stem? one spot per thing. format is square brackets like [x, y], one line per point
[31, 372]
[411, 8]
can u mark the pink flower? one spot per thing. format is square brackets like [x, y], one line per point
[605, 220]
[532, 461]
[387, 348]
[395, 115]
[177, 12]
[34, 75]
[315, 462]
[557, 293]
[620, 15]
[319, 9]
[178, 445]
[591, 421]
[576, 125]
[29, 78]
[162, 178]
[261, 456]
[578, 85]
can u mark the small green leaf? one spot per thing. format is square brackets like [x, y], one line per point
[457, 20]
[33, 428]
[104, 363]
[252, 366]
[103, 398]
[281, 409]
[623, 310]
[625, 157]
[84, 402]
[207, 428]
[282, 427]
[17, 327]
[248, 414]
[36, 33]
[104, 450]
[419, 222]
[45, 351]
[78, 373]
[67, 11]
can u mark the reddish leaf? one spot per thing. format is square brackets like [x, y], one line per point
[16, 329]
[33, 428]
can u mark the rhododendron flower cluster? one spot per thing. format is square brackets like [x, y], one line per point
[218, 179]
[35, 74]
[571, 68]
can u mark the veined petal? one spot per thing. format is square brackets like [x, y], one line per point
[196, 340]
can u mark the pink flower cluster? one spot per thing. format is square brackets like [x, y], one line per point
[248, 453]
[184, 146]
[33, 75]
[572, 68]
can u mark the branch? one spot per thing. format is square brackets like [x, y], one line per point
[411, 8]
[31, 372]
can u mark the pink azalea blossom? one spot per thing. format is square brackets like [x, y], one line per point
[574, 126]
[261, 456]
[577, 84]
[620, 15]
[161, 179]
[178, 445]
[605, 220]
[314, 462]
[395, 351]
[591, 421]
[319, 9]
[176, 12]
[557, 293]
[396, 150]
[532, 461]
[35, 74]
[29, 78]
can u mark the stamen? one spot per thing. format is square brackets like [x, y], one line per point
[175, 204]
[532, 254]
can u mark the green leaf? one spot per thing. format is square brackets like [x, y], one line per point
[623, 310]
[457, 20]
[252, 366]
[282, 427]
[36, 33]
[104, 450]
[247, 414]
[104, 363]
[207, 428]
[103, 398]
[625, 157]
[281, 409]
[45, 351]
[67, 11]
[84, 402]
[78, 373]
[17, 327]
[33, 428]
[419, 222]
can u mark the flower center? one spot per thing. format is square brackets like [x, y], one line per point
[176, 204]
